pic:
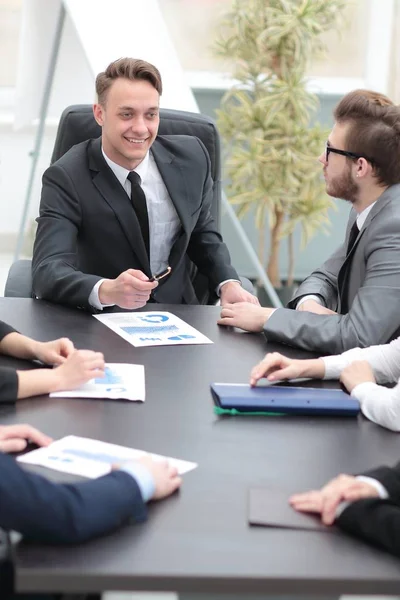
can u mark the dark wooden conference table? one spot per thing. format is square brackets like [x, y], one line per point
[199, 539]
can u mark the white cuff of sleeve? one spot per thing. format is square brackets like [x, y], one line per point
[309, 297]
[219, 286]
[364, 390]
[334, 365]
[382, 491]
[143, 478]
[94, 297]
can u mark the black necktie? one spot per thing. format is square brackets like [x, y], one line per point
[139, 204]
[352, 237]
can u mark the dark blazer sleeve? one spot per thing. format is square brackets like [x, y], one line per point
[66, 513]
[206, 247]
[8, 377]
[5, 330]
[55, 264]
[375, 520]
[8, 384]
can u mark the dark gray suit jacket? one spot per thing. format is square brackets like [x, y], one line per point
[88, 230]
[367, 281]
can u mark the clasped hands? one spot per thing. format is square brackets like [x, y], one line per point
[252, 317]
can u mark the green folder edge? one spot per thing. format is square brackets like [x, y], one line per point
[233, 411]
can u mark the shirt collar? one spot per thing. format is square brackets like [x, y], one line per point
[121, 173]
[362, 217]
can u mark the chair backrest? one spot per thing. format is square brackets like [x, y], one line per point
[77, 124]
[19, 280]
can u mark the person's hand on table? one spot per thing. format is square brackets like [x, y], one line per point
[357, 372]
[131, 289]
[80, 367]
[326, 500]
[245, 315]
[55, 352]
[166, 479]
[15, 438]
[275, 366]
[315, 307]
[232, 292]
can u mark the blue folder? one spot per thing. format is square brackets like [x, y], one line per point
[234, 398]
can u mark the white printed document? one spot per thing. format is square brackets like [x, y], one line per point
[91, 458]
[152, 329]
[121, 381]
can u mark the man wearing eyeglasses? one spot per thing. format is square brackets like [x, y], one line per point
[353, 299]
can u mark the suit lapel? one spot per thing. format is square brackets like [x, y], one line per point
[116, 197]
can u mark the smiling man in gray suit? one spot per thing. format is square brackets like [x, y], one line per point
[121, 208]
[354, 298]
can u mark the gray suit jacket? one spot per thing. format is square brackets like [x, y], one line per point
[367, 281]
[88, 230]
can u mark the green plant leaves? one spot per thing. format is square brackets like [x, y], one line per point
[272, 149]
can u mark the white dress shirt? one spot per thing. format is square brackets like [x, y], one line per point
[379, 404]
[164, 223]
[361, 218]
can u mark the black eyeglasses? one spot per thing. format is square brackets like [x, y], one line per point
[329, 149]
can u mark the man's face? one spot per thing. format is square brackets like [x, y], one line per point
[339, 171]
[129, 121]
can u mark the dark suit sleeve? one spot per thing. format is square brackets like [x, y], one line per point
[5, 330]
[8, 377]
[8, 385]
[206, 247]
[55, 265]
[65, 513]
[389, 477]
[375, 520]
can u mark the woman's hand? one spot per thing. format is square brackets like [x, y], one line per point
[275, 366]
[55, 352]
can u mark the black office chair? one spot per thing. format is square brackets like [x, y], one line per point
[77, 124]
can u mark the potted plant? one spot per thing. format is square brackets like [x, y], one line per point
[265, 118]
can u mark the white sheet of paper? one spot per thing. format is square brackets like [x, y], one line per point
[152, 329]
[91, 458]
[121, 381]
